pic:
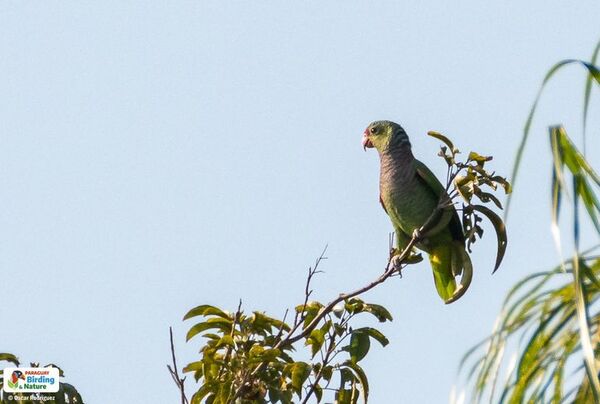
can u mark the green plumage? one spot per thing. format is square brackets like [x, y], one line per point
[410, 193]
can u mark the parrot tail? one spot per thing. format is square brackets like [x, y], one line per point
[449, 261]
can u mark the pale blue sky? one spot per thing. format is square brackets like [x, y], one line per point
[159, 155]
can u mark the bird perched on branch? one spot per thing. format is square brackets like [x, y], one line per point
[413, 198]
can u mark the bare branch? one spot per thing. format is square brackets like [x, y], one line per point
[291, 338]
[299, 318]
[180, 382]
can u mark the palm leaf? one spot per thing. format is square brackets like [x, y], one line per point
[541, 310]
[592, 76]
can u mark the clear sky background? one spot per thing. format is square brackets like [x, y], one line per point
[159, 155]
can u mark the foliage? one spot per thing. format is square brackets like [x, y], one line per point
[553, 313]
[238, 344]
[469, 179]
[67, 394]
[255, 358]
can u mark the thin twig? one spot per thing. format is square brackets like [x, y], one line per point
[180, 382]
[299, 318]
[324, 363]
[280, 332]
[343, 296]
[332, 352]
[236, 317]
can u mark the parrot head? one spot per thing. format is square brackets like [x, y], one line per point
[384, 134]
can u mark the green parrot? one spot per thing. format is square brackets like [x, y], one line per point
[409, 194]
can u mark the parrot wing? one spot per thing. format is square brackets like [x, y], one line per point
[431, 182]
[459, 259]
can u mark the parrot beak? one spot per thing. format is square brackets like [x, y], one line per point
[366, 142]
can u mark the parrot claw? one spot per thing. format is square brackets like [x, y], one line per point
[417, 234]
[396, 265]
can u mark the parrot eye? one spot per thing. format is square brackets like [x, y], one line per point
[373, 130]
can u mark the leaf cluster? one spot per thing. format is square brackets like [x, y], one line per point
[471, 179]
[568, 159]
[541, 312]
[250, 359]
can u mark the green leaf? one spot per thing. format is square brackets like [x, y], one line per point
[201, 393]
[193, 366]
[226, 340]
[500, 232]
[286, 396]
[315, 340]
[274, 395]
[318, 392]
[593, 74]
[503, 183]
[556, 195]
[465, 185]
[375, 334]
[478, 158]
[574, 158]
[346, 376]
[588, 89]
[61, 373]
[359, 345]
[485, 197]
[449, 158]
[69, 392]
[310, 306]
[218, 323]
[444, 139]
[354, 305]
[267, 355]
[378, 311]
[343, 396]
[584, 329]
[300, 372]
[591, 203]
[327, 372]
[310, 310]
[256, 350]
[339, 329]
[262, 321]
[224, 392]
[207, 310]
[9, 358]
[361, 376]
[212, 336]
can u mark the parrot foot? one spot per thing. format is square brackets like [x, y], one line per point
[417, 234]
[395, 264]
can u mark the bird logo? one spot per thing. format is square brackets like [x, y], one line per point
[13, 383]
